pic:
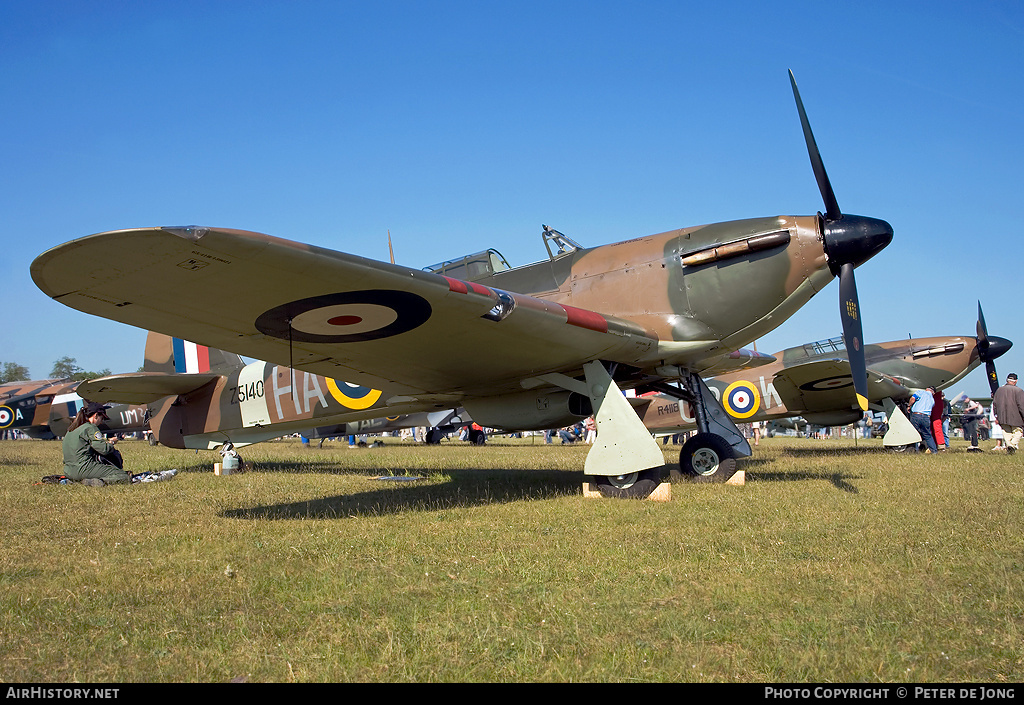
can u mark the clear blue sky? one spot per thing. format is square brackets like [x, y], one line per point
[465, 125]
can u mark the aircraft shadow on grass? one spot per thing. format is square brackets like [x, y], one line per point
[760, 470]
[837, 452]
[838, 479]
[468, 488]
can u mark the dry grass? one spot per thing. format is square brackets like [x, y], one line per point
[833, 563]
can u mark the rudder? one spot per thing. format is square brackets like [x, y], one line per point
[174, 355]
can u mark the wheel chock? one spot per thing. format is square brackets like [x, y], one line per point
[738, 478]
[661, 493]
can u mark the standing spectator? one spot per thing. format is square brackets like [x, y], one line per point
[946, 411]
[936, 418]
[1008, 406]
[921, 403]
[973, 413]
[995, 431]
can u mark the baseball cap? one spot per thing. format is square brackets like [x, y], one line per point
[95, 408]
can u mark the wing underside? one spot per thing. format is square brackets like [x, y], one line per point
[827, 385]
[342, 316]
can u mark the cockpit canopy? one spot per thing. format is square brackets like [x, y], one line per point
[471, 267]
[483, 264]
[822, 348]
[825, 346]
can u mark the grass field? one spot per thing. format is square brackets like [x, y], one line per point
[835, 562]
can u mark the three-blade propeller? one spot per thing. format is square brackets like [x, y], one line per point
[849, 240]
[989, 348]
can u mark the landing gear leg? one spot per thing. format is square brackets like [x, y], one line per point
[710, 455]
[625, 460]
[901, 434]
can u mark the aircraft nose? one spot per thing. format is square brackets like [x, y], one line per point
[997, 346]
[854, 239]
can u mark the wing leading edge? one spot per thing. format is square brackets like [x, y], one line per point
[329, 313]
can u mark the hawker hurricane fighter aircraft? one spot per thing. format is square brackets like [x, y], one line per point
[532, 347]
[202, 398]
[815, 382]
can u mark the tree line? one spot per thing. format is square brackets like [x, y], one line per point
[64, 368]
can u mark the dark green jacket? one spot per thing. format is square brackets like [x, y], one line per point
[82, 446]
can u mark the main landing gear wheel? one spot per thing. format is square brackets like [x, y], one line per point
[707, 458]
[635, 485]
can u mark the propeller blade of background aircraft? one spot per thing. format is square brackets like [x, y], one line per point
[993, 378]
[853, 333]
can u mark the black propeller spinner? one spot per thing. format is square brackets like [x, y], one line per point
[849, 240]
[989, 348]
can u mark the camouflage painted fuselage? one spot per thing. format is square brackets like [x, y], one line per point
[24, 406]
[204, 397]
[121, 418]
[692, 291]
[259, 402]
[44, 410]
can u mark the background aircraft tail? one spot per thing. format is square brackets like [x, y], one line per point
[166, 354]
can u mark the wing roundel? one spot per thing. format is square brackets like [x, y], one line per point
[346, 317]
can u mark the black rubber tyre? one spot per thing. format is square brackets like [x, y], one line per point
[706, 457]
[635, 485]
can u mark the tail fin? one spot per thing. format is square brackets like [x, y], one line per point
[166, 354]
